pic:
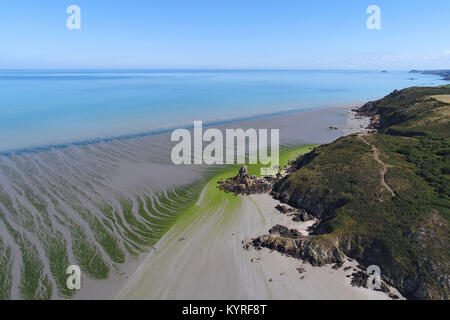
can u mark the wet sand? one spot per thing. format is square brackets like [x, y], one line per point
[63, 184]
[211, 263]
[206, 259]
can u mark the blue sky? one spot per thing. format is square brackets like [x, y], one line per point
[225, 34]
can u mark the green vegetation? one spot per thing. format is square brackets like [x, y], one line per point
[405, 233]
[214, 201]
[287, 154]
[5, 271]
[104, 235]
[101, 236]
[87, 255]
[55, 249]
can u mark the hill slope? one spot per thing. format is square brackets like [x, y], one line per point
[383, 198]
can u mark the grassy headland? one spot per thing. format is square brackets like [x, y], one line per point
[383, 198]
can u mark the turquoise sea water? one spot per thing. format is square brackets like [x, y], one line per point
[42, 108]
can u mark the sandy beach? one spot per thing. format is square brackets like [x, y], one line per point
[207, 261]
[224, 150]
[130, 191]
[209, 249]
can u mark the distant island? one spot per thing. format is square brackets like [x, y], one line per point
[443, 73]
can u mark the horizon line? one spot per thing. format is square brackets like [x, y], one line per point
[214, 69]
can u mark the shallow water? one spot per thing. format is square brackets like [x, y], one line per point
[57, 107]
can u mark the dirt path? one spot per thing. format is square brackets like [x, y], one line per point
[383, 170]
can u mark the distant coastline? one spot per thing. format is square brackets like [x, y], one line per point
[445, 74]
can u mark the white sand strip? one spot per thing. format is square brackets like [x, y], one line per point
[102, 172]
[212, 264]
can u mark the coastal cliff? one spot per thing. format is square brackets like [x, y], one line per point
[445, 74]
[381, 198]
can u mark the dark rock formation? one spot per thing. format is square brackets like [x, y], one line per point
[337, 265]
[297, 214]
[283, 208]
[285, 232]
[359, 279]
[292, 243]
[301, 270]
[244, 183]
[301, 215]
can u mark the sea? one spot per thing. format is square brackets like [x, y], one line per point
[41, 109]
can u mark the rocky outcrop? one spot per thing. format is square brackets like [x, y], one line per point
[339, 184]
[284, 232]
[292, 243]
[301, 215]
[318, 253]
[245, 183]
[296, 214]
[308, 202]
[284, 208]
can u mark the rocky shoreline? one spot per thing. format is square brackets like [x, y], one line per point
[379, 197]
[445, 74]
[291, 242]
[321, 246]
